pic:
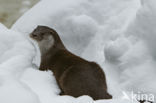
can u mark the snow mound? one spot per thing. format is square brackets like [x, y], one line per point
[15, 58]
[136, 62]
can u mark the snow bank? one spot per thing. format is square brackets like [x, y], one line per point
[15, 58]
[113, 33]
[136, 61]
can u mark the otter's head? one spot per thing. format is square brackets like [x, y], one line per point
[46, 38]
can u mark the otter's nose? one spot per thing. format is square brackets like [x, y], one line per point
[33, 35]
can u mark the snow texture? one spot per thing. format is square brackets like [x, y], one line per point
[117, 34]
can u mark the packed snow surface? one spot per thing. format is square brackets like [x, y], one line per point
[120, 35]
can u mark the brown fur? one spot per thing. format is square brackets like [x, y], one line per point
[74, 75]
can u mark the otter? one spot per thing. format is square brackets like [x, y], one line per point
[74, 75]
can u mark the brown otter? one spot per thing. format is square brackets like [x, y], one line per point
[74, 75]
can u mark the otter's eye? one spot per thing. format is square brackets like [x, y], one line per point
[34, 35]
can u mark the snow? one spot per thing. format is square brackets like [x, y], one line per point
[15, 59]
[119, 35]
